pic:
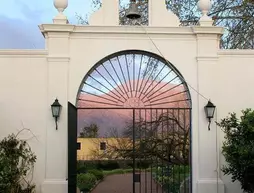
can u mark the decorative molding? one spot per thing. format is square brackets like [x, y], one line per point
[24, 53]
[207, 58]
[208, 30]
[195, 30]
[173, 37]
[45, 28]
[243, 52]
[59, 58]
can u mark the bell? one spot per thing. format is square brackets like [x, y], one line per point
[133, 12]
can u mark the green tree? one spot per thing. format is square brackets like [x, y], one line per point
[238, 148]
[236, 16]
[90, 131]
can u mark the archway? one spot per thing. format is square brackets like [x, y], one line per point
[145, 103]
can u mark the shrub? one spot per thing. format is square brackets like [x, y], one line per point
[86, 182]
[143, 164]
[97, 173]
[16, 162]
[108, 165]
[238, 148]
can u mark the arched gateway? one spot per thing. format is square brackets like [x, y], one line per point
[147, 102]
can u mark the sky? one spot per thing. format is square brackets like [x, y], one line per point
[19, 20]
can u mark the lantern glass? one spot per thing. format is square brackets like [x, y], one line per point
[210, 109]
[210, 112]
[55, 111]
[56, 108]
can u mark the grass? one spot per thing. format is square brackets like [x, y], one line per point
[117, 171]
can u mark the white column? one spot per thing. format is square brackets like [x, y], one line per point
[207, 165]
[58, 81]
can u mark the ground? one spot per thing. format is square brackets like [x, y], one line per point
[122, 183]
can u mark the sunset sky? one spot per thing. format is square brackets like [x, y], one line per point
[19, 20]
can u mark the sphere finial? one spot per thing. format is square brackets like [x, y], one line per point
[60, 5]
[205, 6]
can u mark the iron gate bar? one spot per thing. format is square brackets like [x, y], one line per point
[103, 85]
[128, 73]
[144, 75]
[129, 108]
[163, 92]
[139, 74]
[133, 71]
[100, 91]
[133, 150]
[147, 80]
[123, 75]
[154, 79]
[107, 82]
[113, 80]
[117, 75]
[161, 81]
[156, 112]
[145, 156]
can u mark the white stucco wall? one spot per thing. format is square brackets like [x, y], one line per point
[31, 80]
[23, 83]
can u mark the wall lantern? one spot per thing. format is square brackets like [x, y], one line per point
[209, 110]
[56, 110]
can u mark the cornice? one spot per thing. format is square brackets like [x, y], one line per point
[129, 29]
[212, 30]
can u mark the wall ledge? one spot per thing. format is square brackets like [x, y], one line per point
[23, 53]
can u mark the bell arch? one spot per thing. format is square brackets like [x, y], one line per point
[136, 76]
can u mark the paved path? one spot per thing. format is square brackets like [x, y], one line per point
[122, 183]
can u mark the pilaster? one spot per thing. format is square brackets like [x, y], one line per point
[208, 169]
[58, 78]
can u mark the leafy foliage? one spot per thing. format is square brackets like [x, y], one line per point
[90, 131]
[86, 182]
[238, 148]
[16, 162]
[97, 173]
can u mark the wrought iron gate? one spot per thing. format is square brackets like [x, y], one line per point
[158, 146]
[157, 100]
[161, 140]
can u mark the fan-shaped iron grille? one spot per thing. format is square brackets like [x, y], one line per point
[133, 79]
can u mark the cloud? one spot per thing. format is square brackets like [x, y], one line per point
[19, 20]
[17, 34]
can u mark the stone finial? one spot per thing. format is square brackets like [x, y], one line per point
[107, 15]
[160, 16]
[205, 6]
[60, 5]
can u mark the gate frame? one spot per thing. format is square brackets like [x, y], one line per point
[72, 149]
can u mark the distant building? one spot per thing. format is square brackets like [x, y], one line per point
[101, 148]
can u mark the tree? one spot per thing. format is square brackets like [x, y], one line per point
[236, 16]
[165, 138]
[238, 148]
[90, 131]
